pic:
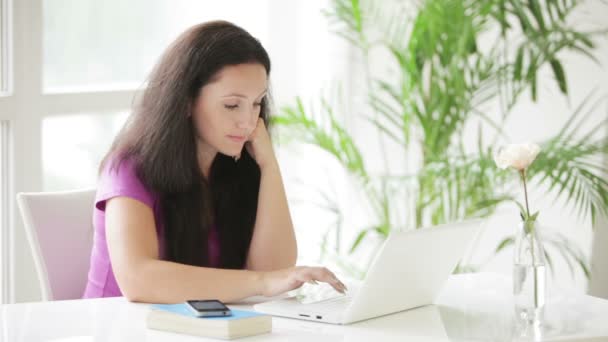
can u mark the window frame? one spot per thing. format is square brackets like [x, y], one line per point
[6, 208]
[23, 107]
[5, 46]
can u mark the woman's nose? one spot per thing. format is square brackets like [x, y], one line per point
[246, 121]
[242, 125]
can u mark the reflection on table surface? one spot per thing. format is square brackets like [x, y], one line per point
[471, 307]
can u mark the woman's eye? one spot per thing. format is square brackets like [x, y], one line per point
[258, 104]
[231, 107]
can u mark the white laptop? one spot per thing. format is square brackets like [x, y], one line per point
[409, 271]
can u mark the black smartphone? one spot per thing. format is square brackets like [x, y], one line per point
[208, 308]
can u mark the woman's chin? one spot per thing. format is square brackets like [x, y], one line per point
[231, 152]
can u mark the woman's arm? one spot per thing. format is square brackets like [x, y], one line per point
[142, 277]
[273, 244]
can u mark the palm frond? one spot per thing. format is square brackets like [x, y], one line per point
[570, 253]
[463, 186]
[572, 167]
[441, 80]
[325, 132]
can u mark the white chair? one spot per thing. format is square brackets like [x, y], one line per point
[59, 229]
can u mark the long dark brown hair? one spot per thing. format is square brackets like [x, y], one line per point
[160, 139]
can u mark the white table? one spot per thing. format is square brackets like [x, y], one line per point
[472, 307]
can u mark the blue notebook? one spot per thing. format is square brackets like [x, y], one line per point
[179, 319]
[183, 310]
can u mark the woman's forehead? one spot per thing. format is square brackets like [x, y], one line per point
[249, 80]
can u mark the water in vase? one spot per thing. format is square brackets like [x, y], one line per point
[529, 291]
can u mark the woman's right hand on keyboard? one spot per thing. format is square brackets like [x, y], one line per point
[278, 282]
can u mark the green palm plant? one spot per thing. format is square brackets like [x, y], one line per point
[442, 77]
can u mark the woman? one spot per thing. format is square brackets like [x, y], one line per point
[190, 202]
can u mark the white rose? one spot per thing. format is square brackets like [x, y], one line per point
[517, 156]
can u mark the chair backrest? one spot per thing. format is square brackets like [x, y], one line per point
[59, 229]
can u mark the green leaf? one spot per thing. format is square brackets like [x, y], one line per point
[584, 38]
[522, 210]
[569, 253]
[533, 85]
[521, 14]
[504, 243]
[549, 262]
[584, 267]
[518, 63]
[529, 226]
[358, 240]
[534, 216]
[558, 71]
[536, 12]
[465, 269]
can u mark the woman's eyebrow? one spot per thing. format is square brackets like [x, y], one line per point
[244, 96]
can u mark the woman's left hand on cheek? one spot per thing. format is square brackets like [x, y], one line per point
[259, 145]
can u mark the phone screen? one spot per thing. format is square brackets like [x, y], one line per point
[208, 308]
[207, 305]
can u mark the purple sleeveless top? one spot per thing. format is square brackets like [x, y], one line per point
[116, 182]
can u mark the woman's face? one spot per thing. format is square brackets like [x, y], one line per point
[227, 108]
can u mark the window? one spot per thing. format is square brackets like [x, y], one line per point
[73, 145]
[113, 44]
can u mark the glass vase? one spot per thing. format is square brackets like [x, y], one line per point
[529, 274]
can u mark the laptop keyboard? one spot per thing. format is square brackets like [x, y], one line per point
[321, 299]
[308, 294]
[329, 305]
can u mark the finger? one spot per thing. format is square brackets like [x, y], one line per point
[257, 125]
[251, 136]
[325, 275]
[337, 282]
[341, 284]
[261, 124]
[312, 274]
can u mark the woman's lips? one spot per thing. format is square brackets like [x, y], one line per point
[237, 138]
